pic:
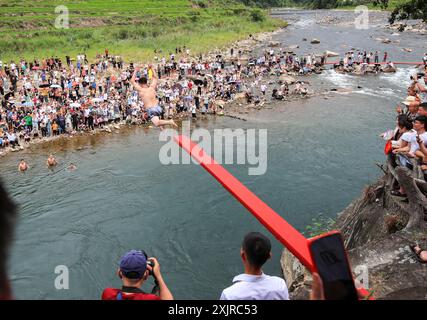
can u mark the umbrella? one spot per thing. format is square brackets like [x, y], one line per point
[97, 100]
[44, 85]
[36, 68]
[55, 86]
[198, 82]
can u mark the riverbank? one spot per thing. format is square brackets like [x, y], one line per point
[378, 239]
[246, 46]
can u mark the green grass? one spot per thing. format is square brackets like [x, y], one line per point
[131, 28]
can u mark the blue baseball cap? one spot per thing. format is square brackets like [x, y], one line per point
[133, 264]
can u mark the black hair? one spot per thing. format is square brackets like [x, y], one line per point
[401, 120]
[423, 120]
[257, 248]
[8, 214]
[143, 80]
[408, 125]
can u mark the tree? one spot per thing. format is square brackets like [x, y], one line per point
[413, 9]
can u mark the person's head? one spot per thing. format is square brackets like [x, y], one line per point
[422, 109]
[8, 212]
[412, 91]
[143, 80]
[255, 250]
[420, 123]
[133, 268]
[413, 108]
[407, 126]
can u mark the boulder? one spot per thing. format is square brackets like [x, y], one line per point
[315, 41]
[331, 54]
[274, 44]
[287, 79]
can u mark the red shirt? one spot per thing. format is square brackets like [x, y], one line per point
[113, 294]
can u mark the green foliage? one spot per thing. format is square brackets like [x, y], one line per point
[319, 224]
[201, 3]
[414, 9]
[131, 28]
[267, 3]
[257, 15]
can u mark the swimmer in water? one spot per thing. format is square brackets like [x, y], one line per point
[72, 167]
[23, 166]
[51, 161]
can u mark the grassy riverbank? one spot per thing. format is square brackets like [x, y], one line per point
[131, 28]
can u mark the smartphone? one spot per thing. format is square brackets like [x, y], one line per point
[331, 263]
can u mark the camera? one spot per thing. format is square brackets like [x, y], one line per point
[151, 263]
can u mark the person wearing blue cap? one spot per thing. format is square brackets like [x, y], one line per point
[134, 269]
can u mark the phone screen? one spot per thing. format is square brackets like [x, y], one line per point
[330, 259]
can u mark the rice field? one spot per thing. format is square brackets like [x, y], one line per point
[131, 28]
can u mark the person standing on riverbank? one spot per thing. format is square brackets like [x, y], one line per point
[263, 89]
[147, 93]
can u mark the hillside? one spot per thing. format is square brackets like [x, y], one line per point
[131, 28]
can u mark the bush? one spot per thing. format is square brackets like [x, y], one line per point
[121, 34]
[201, 4]
[319, 224]
[257, 15]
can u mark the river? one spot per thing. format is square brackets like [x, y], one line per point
[321, 153]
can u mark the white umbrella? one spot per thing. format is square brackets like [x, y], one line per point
[75, 105]
[55, 86]
[97, 100]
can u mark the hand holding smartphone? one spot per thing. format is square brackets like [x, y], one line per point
[331, 263]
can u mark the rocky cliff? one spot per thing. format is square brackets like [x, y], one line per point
[378, 237]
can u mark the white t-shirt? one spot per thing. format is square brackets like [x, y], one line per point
[411, 138]
[250, 287]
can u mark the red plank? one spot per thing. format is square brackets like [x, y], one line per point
[293, 240]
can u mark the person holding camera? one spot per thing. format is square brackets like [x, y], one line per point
[135, 268]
